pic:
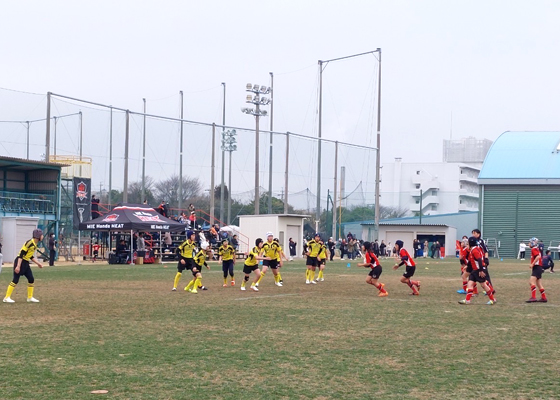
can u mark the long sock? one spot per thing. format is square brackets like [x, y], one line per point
[276, 279]
[225, 280]
[469, 294]
[30, 288]
[411, 285]
[307, 274]
[10, 290]
[311, 275]
[176, 281]
[491, 296]
[491, 287]
[381, 288]
[190, 285]
[543, 295]
[475, 289]
[279, 277]
[244, 281]
[465, 285]
[197, 283]
[320, 276]
[533, 292]
[260, 278]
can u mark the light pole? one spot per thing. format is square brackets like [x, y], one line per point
[377, 161]
[270, 147]
[257, 100]
[143, 194]
[229, 144]
[222, 189]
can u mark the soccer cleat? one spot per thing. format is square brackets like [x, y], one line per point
[464, 302]
[531, 300]
[281, 281]
[313, 282]
[224, 285]
[418, 286]
[256, 284]
[462, 291]
[243, 288]
[541, 300]
[254, 288]
[8, 300]
[490, 302]
[32, 300]
[321, 280]
[307, 282]
[194, 291]
[174, 289]
[232, 283]
[414, 294]
[278, 284]
[203, 288]
[383, 294]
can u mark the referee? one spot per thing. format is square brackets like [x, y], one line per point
[22, 267]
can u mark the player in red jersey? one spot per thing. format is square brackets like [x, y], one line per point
[536, 273]
[371, 262]
[463, 259]
[477, 272]
[410, 268]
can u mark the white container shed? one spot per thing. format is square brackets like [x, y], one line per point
[16, 231]
[282, 226]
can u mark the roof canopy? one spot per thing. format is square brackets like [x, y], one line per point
[137, 217]
[529, 158]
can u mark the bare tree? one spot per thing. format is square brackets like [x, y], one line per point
[135, 191]
[168, 190]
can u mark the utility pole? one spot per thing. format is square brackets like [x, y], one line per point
[222, 186]
[181, 158]
[127, 136]
[212, 167]
[286, 173]
[377, 158]
[318, 207]
[143, 195]
[110, 157]
[270, 147]
[48, 135]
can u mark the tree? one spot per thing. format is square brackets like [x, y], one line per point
[168, 190]
[135, 192]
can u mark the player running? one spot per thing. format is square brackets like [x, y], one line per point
[371, 261]
[313, 248]
[200, 261]
[410, 268]
[252, 265]
[227, 257]
[270, 250]
[186, 261]
[477, 272]
[536, 273]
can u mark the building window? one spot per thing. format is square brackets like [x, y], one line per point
[434, 207]
[417, 201]
[417, 172]
[434, 192]
[460, 201]
[417, 186]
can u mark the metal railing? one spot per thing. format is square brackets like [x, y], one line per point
[28, 203]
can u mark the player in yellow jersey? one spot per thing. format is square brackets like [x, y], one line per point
[22, 267]
[252, 265]
[270, 250]
[321, 260]
[281, 256]
[313, 248]
[227, 257]
[186, 260]
[200, 261]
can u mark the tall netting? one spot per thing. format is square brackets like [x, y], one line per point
[99, 133]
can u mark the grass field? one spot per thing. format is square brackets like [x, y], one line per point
[121, 329]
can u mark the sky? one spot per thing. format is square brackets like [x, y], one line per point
[450, 69]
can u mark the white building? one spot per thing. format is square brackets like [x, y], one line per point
[437, 187]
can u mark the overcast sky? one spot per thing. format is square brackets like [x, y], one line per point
[449, 68]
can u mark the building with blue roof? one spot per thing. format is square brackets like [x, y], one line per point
[520, 190]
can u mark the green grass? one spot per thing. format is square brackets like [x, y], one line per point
[120, 328]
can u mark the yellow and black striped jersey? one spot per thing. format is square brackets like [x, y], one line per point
[187, 248]
[252, 257]
[271, 250]
[28, 250]
[226, 253]
[279, 257]
[200, 258]
[313, 248]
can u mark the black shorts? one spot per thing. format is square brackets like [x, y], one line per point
[409, 273]
[311, 261]
[271, 263]
[24, 270]
[189, 264]
[247, 269]
[476, 278]
[375, 272]
[537, 271]
[322, 262]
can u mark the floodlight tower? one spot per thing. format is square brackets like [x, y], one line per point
[258, 101]
[229, 145]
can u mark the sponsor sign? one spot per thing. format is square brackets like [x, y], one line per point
[81, 200]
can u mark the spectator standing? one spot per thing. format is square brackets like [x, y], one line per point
[192, 220]
[331, 246]
[425, 252]
[382, 249]
[94, 207]
[52, 249]
[522, 248]
[350, 248]
[438, 250]
[375, 248]
[292, 245]
[167, 239]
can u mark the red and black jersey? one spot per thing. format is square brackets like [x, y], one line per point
[534, 254]
[371, 259]
[463, 255]
[406, 259]
[476, 259]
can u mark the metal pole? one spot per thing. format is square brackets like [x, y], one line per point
[27, 122]
[377, 160]
[81, 140]
[270, 147]
[48, 134]
[318, 209]
[257, 197]
[229, 192]
[420, 206]
[127, 133]
[110, 157]
[212, 206]
[335, 190]
[54, 149]
[286, 173]
[222, 185]
[143, 195]
[180, 200]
